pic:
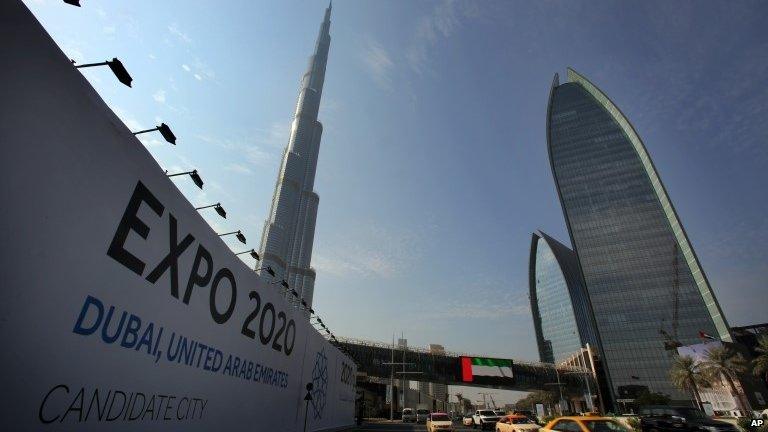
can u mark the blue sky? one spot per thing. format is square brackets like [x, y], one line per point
[433, 169]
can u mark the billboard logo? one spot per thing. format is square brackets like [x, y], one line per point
[320, 383]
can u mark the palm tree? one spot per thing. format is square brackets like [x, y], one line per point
[722, 362]
[687, 374]
[760, 362]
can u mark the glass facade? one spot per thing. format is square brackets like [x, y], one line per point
[562, 318]
[638, 266]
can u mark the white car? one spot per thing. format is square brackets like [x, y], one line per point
[485, 419]
[516, 423]
[439, 422]
[409, 416]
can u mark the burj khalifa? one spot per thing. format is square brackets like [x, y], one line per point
[286, 243]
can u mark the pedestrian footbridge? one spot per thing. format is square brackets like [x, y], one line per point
[376, 359]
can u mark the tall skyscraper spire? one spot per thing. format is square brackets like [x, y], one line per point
[286, 243]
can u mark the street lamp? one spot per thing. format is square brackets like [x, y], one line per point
[237, 234]
[164, 130]
[219, 209]
[268, 269]
[115, 65]
[192, 174]
[252, 252]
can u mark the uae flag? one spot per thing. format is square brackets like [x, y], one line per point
[485, 370]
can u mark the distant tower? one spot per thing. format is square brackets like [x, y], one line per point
[286, 244]
[637, 262]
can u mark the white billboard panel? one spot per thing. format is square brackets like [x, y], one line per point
[122, 310]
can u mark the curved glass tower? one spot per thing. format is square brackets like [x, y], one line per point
[286, 244]
[645, 284]
[561, 313]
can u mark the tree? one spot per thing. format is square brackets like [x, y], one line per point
[722, 362]
[760, 362]
[537, 397]
[687, 374]
[652, 398]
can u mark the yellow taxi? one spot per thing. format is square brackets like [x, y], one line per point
[516, 423]
[588, 423]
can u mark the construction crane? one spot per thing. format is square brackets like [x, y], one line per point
[671, 341]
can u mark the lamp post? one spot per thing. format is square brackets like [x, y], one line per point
[219, 209]
[164, 130]
[192, 174]
[115, 65]
[237, 234]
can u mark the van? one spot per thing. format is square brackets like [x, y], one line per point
[408, 415]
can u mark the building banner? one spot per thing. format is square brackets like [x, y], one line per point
[122, 309]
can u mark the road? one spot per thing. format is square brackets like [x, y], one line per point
[400, 427]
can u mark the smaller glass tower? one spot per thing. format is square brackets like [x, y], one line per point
[562, 316]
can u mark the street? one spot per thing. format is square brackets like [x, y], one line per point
[400, 427]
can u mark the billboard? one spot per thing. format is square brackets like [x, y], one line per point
[122, 310]
[486, 371]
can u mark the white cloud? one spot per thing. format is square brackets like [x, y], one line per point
[379, 64]
[238, 169]
[369, 252]
[252, 154]
[198, 77]
[492, 299]
[159, 96]
[127, 118]
[276, 136]
[186, 68]
[152, 56]
[109, 30]
[183, 37]
[431, 29]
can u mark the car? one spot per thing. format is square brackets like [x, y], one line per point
[584, 424]
[516, 423]
[485, 419]
[408, 415]
[438, 421]
[467, 420]
[421, 415]
[682, 419]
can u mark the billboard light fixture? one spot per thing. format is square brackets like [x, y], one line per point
[268, 269]
[252, 252]
[192, 174]
[164, 130]
[219, 209]
[239, 235]
[115, 65]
